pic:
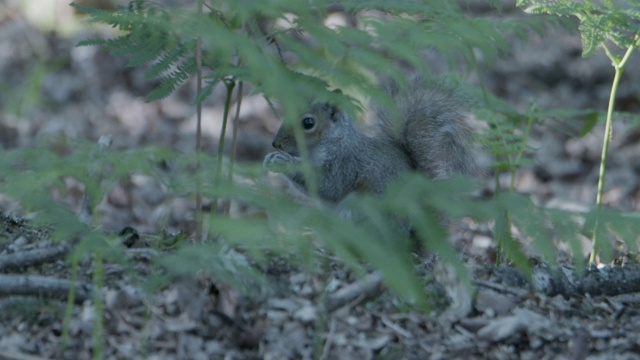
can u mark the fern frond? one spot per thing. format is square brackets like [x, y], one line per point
[172, 80]
[598, 21]
[170, 58]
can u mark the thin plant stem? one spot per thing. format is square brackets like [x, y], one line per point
[618, 66]
[198, 179]
[234, 141]
[523, 146]
[499, 234]
[98, 324]
[230, 84]
[70, 301]
[603, 161]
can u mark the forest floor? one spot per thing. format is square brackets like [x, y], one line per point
[50, 88]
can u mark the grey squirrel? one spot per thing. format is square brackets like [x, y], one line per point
[434, 138]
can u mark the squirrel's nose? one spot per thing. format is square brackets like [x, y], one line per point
[276, 145]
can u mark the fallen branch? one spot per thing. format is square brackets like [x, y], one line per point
[8, 353]
[43, 286]
[605, 281]
[368, 288]
[519, 292]
[32, 257]
[630, 299]
[608, 281]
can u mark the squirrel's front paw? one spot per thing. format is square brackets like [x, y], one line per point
[278, 160]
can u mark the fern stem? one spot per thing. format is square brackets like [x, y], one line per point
[230, 84]
[618, 66]
[234, 141]
[523, 146]
[499, 239]
[198, 179]
[98, 325]
[70, 302]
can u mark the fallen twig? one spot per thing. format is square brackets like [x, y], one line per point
[43, 286]
[502, 288]
[368, 288]
[566, 281]
[32, 257]
[328, 341]
[146, 254]
[17, 355]
[631, 299]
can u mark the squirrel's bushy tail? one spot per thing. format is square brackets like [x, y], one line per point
[433, 127]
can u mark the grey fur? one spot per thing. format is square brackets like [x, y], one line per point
[433, 137]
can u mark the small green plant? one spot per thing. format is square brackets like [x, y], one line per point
[506, 138]
[507, 143]
[603, 24]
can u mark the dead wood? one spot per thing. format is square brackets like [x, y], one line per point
[43, 286]
[369, 287]
[32, 257]
[566, 281]
[606, 281]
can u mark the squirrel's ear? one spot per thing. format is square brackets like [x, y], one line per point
[333, 110]
[329, 110]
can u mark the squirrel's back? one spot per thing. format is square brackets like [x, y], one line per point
[432, 127]
[431, 136]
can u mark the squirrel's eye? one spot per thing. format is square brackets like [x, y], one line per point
[308, 123]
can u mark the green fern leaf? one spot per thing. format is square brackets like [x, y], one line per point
[170, 58]
[172, 81]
